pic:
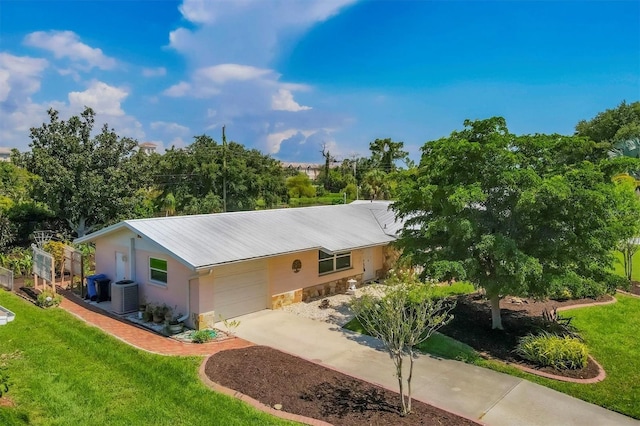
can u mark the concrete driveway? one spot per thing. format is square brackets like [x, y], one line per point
[485, 395]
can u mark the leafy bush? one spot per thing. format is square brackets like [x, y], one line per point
[572, 286]
[203, 336]
[48, 299]
[548, 349]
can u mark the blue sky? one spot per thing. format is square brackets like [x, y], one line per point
[290, 76]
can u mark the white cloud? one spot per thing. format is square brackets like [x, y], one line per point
[20, 77]
[178, 90]
[168, 127]
[283, 101]
[67, 44]
[223, 35]
[275, 139]
[104, 99]
[223, 73]
[154, 72]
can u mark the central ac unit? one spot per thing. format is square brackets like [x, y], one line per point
[124, 297]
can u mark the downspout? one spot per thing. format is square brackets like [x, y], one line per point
[186, 315]
[132, 260]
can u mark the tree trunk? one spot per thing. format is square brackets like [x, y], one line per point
[496, 319]
[409, 381]
[398, 362]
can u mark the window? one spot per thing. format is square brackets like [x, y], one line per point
[158, 270]
[328, 262]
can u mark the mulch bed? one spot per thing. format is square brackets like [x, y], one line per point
[311, 390]
[635, 288]
[472, 325]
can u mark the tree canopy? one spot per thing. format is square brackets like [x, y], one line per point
[87, 180]
[519, 215]
[196, 177]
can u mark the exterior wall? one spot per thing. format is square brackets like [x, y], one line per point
[287, 286]
[174, 294]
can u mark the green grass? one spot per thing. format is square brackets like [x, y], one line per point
[619, 268]
[611, 334]
[455, 289]
[64, 372]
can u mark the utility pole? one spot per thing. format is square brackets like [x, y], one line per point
[224, 171]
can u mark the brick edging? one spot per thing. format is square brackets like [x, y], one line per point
[626, 293]
[586, 305]
[254, 402]
[600, 377]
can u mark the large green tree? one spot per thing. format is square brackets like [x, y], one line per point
[619, 127]
[385, 153]
[202, 174]
[612, 125]
[87, 180]
[520, 215]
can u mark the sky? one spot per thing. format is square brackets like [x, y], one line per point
[289, 77]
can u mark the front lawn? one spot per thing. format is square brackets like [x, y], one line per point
[65, 372]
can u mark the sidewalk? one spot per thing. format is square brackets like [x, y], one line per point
[488, 396]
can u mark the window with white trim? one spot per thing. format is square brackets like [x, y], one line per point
[331, 262]
[158, 270]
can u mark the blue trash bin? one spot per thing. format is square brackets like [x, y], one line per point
[92, 292]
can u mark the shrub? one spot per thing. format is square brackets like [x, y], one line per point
[550, 350]
[555, 323]
[203, 336]
[572, 286]
[48, 299]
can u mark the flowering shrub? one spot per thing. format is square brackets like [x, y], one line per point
[48, 299]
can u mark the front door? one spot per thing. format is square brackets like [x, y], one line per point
[368, 273]
[121, 266]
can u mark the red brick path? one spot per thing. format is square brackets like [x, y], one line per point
[144, 339]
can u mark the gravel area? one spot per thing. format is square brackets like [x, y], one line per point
[338, 311]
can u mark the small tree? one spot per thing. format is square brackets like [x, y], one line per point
[627, 217]
[403, 318]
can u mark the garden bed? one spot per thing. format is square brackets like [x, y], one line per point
[472, 325]
[311, 390]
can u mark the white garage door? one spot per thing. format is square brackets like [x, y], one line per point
[240, 289]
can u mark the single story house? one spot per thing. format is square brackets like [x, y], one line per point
[230, 264]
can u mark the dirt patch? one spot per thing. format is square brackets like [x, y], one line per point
[472, 325]
[311, 390]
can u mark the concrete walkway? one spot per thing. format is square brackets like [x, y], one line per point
[488, 396]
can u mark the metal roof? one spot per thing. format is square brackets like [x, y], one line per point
[202, 241]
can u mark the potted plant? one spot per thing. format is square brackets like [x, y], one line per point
[159, 313]
[141, 309]
[174, 325]
[147, 315]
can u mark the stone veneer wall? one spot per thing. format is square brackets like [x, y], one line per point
[306, 294]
